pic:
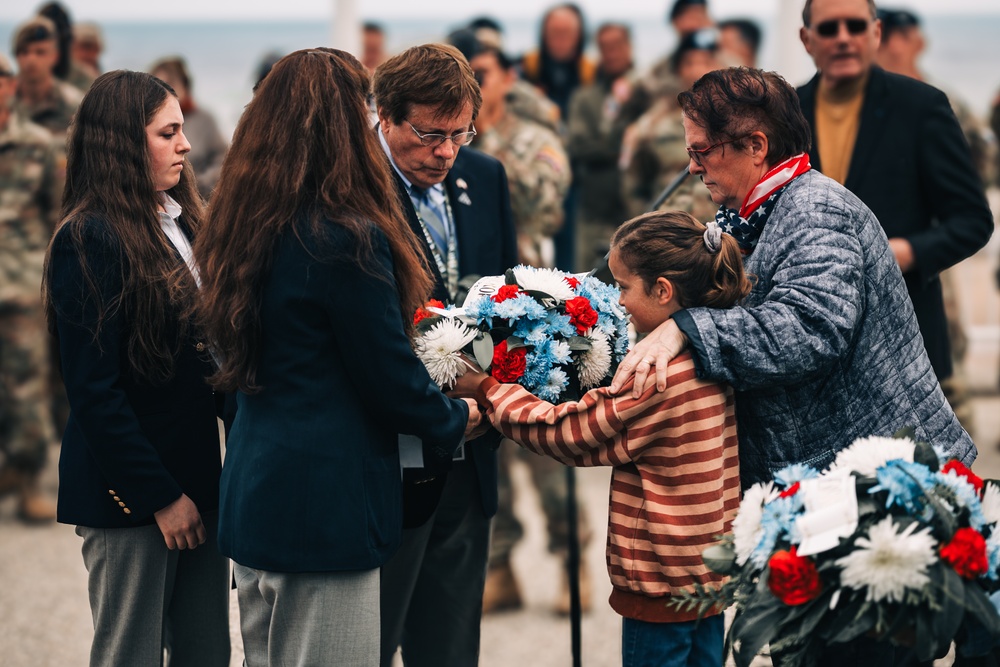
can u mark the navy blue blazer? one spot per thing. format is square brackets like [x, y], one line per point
[131, 447]
[912, 167]
[487, 246]
[311, 481]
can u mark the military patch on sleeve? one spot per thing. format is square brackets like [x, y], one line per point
[552, 157]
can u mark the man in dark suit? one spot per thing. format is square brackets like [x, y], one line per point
[895, 143]
[457, 201]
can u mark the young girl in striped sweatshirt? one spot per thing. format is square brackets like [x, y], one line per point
[675, 484]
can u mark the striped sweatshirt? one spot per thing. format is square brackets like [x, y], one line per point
[675, 485]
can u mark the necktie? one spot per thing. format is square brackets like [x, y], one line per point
[432, 218]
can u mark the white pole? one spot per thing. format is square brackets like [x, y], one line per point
[345, 29]
[791, 59]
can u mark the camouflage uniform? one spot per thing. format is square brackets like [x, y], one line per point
[653, 153]
[594, 139]
[539, 176]
[527, 102]
[55, 112]
[29, 200]
[538, 172]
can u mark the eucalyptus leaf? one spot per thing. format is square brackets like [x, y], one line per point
[579, 343]
[508, 277]
[482, 348]
[720, 558]
[513, 342]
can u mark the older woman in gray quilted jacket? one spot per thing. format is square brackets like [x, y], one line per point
[826, 347]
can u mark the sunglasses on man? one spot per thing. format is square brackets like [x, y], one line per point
[831, 28]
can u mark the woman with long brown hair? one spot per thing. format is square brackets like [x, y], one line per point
[310, 275]
[140, 460]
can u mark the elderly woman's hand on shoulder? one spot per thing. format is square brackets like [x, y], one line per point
[655, 350]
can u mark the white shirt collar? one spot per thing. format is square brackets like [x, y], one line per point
[170, 205]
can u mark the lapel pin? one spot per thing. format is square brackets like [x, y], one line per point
[460, 182]
[464, 198]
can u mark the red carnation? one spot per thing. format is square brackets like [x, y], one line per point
[506, 292]
[581, 314]
[960, 470]
[508, 366]
[790, 491]
[793, 579]
[966, 553]
[573, 282]
[422, 313]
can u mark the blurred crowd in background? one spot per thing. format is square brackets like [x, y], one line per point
[587, 139]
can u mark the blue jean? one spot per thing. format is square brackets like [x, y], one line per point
[686, 644]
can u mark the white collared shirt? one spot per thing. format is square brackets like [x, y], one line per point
[168, 223]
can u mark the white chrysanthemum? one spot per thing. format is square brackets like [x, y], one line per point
[886, 563]
[547, 281]
[991, 503]
[746, 526]
[594, 364]
[866, 455]
[439, 349]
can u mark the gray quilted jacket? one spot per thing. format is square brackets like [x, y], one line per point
[826, 348]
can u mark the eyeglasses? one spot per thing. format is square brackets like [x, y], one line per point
[831, 28]
[698, 154]
[431, 139]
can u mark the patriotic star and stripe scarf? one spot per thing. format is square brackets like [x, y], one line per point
[746, 224]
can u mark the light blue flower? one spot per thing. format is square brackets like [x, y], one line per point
[520, 306]
[560, 353]
[777, 521]
[906, 484]
[559, 324]
[796, 472]
[554, 386]
[993, 555]
[965, 494]
[532, 332]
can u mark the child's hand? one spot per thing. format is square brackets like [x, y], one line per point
[467, 384]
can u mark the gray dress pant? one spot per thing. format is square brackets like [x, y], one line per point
[308, 619]
[146, 598]
[432, 587]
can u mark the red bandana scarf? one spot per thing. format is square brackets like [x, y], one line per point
[747, 224]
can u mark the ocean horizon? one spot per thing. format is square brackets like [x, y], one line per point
[223, 56]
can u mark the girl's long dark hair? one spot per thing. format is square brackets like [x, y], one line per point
[304, 144]
[109, 182]
[671, 244]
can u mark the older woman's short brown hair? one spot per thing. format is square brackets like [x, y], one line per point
[729, 104]
[436, 75]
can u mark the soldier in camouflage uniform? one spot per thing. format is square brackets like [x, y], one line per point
[654, 150]
[41, 97]
[539, 175]
[594, 139]
[532, 155]
[51, 103]
[29, 199]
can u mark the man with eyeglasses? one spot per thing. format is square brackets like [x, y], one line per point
[458, 205]
[896, 144]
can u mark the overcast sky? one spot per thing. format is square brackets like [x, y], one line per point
[184, 10]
